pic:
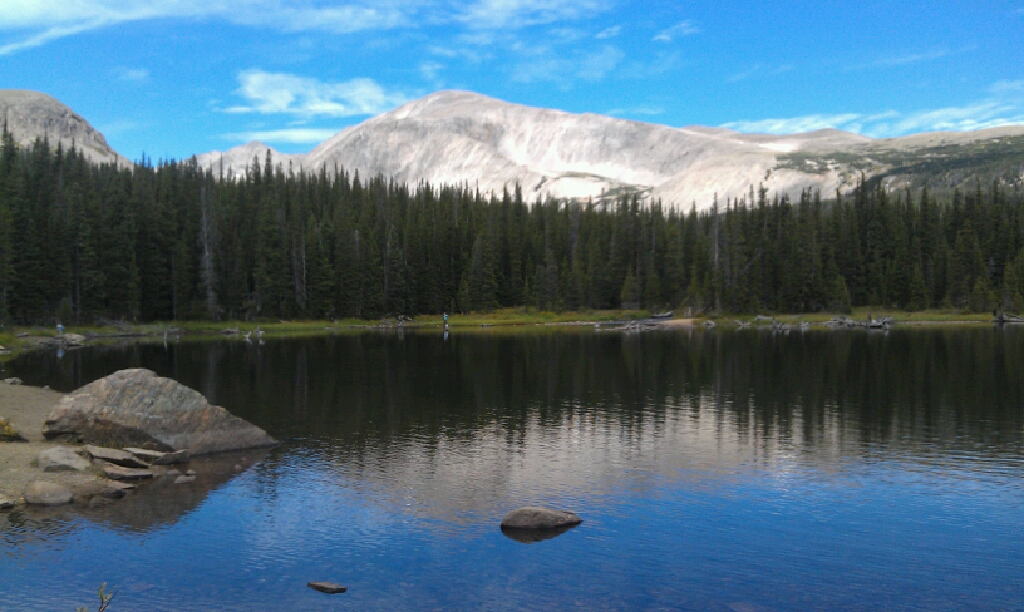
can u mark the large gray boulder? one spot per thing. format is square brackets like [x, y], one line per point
[61, 459]
[137, 408]
[42, 493]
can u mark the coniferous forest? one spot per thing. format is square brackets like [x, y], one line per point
[84, 243]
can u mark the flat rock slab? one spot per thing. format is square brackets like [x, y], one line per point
[5, 504]
[155, 457]
[539, 518]
[117, 457]
[116, 472]
[184, 479]
[41, 493]
[331, 588]
[138, 409]
[62, 459]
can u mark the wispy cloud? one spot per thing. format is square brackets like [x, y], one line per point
[1004, 105]
[506, 14]
[37, 22]
[282, 93]
[636, 110]
[288, 135]
[909, 59]
[759, 70]
[430, 71]
[132, 74]
[681, 29]
[563, 71]
[611, 32]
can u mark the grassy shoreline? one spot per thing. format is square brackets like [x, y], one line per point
[27, 337]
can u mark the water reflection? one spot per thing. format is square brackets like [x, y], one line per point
[714, 470]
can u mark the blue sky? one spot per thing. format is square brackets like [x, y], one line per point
[175, 77]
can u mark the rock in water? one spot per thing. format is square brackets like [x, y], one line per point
[9, 433]
[326, 587]
[61, 459]
[5, 504]
[42, 493]
[117, 457]
[539, 518]
[137, 408]
[159, 458]
[116, 472]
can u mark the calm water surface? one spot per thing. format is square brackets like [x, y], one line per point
[715, 471]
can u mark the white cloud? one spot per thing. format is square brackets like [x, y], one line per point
[282, 93]
[431, 70]
[36, 22]
[289, 135]
[510, 14]
[636, 110]
[544, 65]
[683, 28]
[132, 74]
[909, 59]
[1004, 105]
[595, 66]
[611, 32]
[759, 70]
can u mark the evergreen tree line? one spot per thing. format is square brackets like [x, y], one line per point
[82, 243]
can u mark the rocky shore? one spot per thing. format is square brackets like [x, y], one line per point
[129, 431]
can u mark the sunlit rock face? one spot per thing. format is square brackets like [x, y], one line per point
[30, 115]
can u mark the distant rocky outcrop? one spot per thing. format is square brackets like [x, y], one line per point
[30, 115]
[137, 408]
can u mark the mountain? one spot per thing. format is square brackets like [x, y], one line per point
[459, 137]
[30, 115]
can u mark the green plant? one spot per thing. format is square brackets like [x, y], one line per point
[105, 599]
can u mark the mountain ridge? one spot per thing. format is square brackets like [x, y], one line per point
[465, 138]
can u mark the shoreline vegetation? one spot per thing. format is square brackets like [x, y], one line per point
[21, 338]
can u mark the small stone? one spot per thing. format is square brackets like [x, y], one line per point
[173, 472]
[190, 472]
[14, 380]
[41, 493]
[184, 479]
[60, 459]
[116, 490]
[330, 588]
[117, 457]
[116, 472]
[9, 433]
[238, 468]
[5, 504]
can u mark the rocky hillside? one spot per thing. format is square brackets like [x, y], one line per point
[30, 115]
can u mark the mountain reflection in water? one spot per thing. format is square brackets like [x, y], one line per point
[713, 469]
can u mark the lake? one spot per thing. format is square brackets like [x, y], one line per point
[715, 470]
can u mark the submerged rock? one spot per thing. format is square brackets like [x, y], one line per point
[10, 433]
[155, 457]
[117, 457]
[539, 518]
[136, 408]
[330, 588]
[61, 459]
[116, 472]
[42, 493]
